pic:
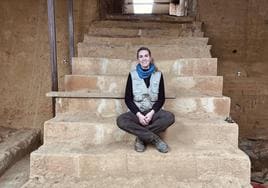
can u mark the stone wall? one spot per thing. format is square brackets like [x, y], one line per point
[238, 31]
[24, 56]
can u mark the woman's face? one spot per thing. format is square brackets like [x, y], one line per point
[144, 59]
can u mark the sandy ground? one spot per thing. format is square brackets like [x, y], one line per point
[17, 175]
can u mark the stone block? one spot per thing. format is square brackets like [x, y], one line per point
[120, 160]
[15, 144]
[131, 32]
[82, 129]
[123, 41]
[227, 166]
[46, 165]
[181, 164]
[180, 67]
[209, 106]
[158, 52]
[103, 164]
[174, 85]
[87, 132]
[145, 24]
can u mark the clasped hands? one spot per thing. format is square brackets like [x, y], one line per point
[145, 119]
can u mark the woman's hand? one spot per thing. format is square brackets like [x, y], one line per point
[149, 116]
[142, 119]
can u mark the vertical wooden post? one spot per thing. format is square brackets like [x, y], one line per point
[53, 48]
[71, 29]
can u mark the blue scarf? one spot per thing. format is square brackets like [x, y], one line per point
[145, 73]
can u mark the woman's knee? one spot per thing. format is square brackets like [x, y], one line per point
[120, 121]
[169, 117]
[124, 120]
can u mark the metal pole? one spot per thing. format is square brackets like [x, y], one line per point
[53, 48]
[194, 7]
[71, 29]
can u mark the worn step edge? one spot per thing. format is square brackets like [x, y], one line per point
[147, 181]
[78, 59]
[107, 66]
[137, 46]
[152, 18]
[143, 24]
[146, 40]
[77, 94]
[135, 34]
[158, 53]
[133, 31]
[180, 85]
[110, 107]
[64, 98]
[17, 146]
[121, 160]
[180, 41]
[84, 129]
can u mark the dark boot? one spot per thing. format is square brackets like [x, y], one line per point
[139, 145]
[160, 145]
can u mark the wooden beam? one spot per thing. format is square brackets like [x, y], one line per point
[53, 48]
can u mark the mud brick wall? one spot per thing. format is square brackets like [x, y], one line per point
[24, 56]
[238, 31]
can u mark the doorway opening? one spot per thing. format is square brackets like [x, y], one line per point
[146, 6]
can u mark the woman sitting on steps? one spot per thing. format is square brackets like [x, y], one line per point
[144, 97]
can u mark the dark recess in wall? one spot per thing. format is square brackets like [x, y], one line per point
[110, 7]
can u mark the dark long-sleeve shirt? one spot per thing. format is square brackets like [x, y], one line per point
[129, 98]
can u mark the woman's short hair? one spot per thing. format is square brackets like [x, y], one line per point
[143, 48]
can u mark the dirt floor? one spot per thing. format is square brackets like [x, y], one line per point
[17, 175]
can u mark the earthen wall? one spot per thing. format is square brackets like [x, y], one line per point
[25, 59]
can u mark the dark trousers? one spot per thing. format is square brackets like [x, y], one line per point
[161, 120]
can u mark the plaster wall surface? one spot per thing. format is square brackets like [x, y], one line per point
[238, 31]
[25, 59]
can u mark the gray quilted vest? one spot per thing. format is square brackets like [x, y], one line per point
[145, 97]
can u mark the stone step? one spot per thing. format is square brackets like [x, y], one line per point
[135, 24]
[198, 85]
[122, 41]
[120, 160]
[135, 32]
[181, 67]
[168, 46]
[150, 18]
[84, 129]
[148, 181]
[134, 182]
[15, 144]
[161, 52]
[110, 107]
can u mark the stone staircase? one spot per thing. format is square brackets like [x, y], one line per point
[83, 146]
